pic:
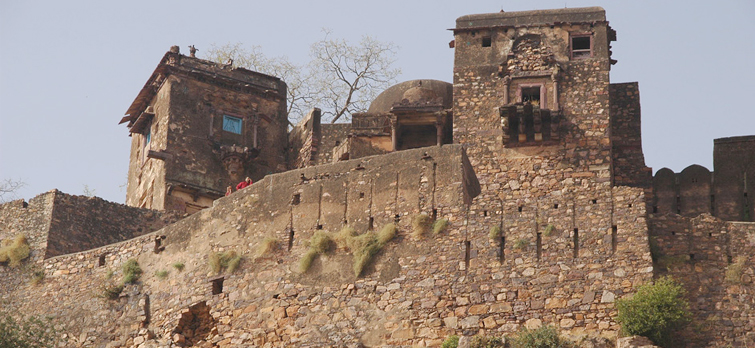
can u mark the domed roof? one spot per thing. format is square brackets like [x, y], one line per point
[414, 91]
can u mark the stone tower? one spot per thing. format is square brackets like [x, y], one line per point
[198, 127]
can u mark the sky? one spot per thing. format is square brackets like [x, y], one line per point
[70, 69]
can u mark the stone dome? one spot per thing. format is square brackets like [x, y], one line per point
[414, 91]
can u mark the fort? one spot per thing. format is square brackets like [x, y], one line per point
[532, 157]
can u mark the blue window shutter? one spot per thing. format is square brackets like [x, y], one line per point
[232, 124]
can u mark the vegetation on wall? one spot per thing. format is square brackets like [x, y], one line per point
[656, 311]
[227, 261]
[266, 247]
[15, 250]
[495, 232]
[420, 225]
[542, 337]
[179, 266]
[734, 270]
[131, 271]
[30, 332]
[439, 226]
[320, 243]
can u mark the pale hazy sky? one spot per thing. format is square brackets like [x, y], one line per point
[70, 69]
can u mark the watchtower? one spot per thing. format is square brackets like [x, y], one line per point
[198, 127]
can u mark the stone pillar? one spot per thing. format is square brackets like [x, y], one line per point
[506, 82]
[394, 133]
[438, 133]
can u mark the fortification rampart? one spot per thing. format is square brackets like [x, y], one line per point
[416, 292]
[714, 260]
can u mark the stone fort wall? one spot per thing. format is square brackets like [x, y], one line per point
[416, 292]
[701, 252]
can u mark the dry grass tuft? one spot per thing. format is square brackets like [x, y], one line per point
[420, 224]
[306, 261]
[321, 242]
[14, 251]
[228, 261]
[495, 232]
[549, 230]
[521, 243]
[111, 292]
[37, 277]
[161, 274]
[268, 246]
[439, 226]
[734, 270]
[386, 233]
[344, 237]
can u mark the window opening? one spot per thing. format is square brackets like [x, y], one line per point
[101, 261]
[520, 208]
[484, 213]
[296, 199]
[361, 194]
[487, 41]
[531, 95]
[232, 124]
[217, 285]
[555, 206]
[581, 47]
[539, 245]
[502, 249]
[371, 225]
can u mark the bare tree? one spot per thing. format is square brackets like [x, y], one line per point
[348, 77]
[341, 78]
[299, 94]
[8, 189]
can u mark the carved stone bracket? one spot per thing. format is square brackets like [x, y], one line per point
[236, 158]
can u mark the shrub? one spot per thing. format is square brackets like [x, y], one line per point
[268, 245]
[451, 342]
[486, 342]
[656, 311]
[14, 251]
[365, 247]
[420, 224]
[320, 242]
[228, 261]
[734, 270]
[131, 271]
[439, 226]
[111, 292]
[161, 274]
[344, 237]
[495, 232]
[521, 243]
[31, 332]
[542, 337]
[179, 266]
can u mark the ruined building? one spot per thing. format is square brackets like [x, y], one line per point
[532, 157]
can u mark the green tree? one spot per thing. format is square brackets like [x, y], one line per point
[656, 311]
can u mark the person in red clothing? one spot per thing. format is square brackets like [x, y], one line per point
[244, 183]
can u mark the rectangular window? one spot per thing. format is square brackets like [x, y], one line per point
[232, 124]
[581, 46]
[487, 41]
[531, 95]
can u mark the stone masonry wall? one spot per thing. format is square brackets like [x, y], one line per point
[416, 292]
[333, 135]
[81, 223]
[698, 251]
[626, 138]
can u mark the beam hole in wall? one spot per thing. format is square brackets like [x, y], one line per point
[673, 233]
[487, 41]
[217, 285]
[629, 205]
[101, 260]
[555, 205]
[484, 213]
[319, 226]
[467, 254]
[290, 238]
[520, 208]
[594, 201]
[691, 257]
[361, 194]
[539, 243]
[575, 243]
[24, 204]
[435, 214]
[371, 225]
[296, 199]
[396, 218]
[710, 234]
[655, 209]
[614, 238]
